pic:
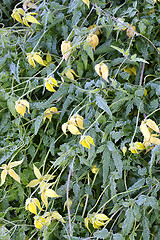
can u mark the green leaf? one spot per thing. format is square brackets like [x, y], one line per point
[146, 231]
[37, 124]
[142, 27]
[106, 164]
[11, 106]
[88, 50]
[125, 53]
[101, 234]
[128, 222]
[137, 185]
[101, 102]
[52, 147]
[84, 59]
[116, 157]
[118, 236]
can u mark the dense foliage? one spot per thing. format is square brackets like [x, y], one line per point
[70, 119]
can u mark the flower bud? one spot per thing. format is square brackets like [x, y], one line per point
[65, 46]
[102, 70]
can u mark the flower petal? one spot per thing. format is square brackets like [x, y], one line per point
[51, 193]
[3, 177]
[37, 172]
[73, 129]
[14, 164]
[33, 183]
[14, 175]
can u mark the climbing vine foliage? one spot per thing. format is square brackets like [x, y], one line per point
[79, 119]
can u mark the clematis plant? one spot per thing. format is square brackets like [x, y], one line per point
[50, 83]
[49, 113]
[7, 169]
[40, 177]
[31, 205]
[35, 56]
[86, 141]
[21, 106]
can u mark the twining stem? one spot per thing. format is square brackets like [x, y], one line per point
[68, 208]
[142, 72]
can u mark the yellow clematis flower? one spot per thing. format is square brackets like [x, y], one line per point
[47, 192]
[86, 141]
[95, 169]
[21, 106]
[71, 127]
[77, 120]
[29, 18]
[50, 83]
[51, 216]
[102, 70]
[97, 29]
[129, 32]
[39, 222]
[31, 205]
[87, 2]
[70, 74]
[16, 14]
[7, 169]
[65, 49]
[93, 40]
[40, 177]
[136, 146]
[35, 56]
[65, 204]
[97, 220]
[49, 113]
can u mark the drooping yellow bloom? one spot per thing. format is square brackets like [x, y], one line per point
[48, 60]
[21, 106]
[97, 29]
[124, 150]
[16, 14]
[49, 113]
[87, 2]
[51, 216]
[50, 83]
[151, 124]
[35, 56]
[29, 4]
[70, 74]
[39, 177]
[65, 204]
[31, 205]
[129, 32]
[71, 127]
[97, 220]
[152, 140]
[86, 141]
[29, 18]
[7, 169]
[77, 120]
[131, 71]
[65, 49]
[95, 169]
[136, 146]
[39, 222]
[93, 40]
[47, 192]
[102, 70]
[145, 131]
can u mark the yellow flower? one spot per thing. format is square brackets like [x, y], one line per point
[131, 71]
[95, 169]
[102, 70]
[87, 2]
[39, 222]
[51, 216]
[97, 220]
[77, 120]
[124, 150]
[129, 32]
[152, 140]
[21, 106]
[93, 40]
[71, 127]
[65, 204]
[145, 131]
[97, 29]
[40, 178]
[29, 18]
[86, 141]
[47, 192]
[70, 74]
[136, 146]
[16, 14]
[65, 49]
[35, 56]
[50, 83]
[49, 112]
[29, 4]
[31, 205]
[151, 124]
[7, 169]
[48, 59]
